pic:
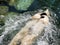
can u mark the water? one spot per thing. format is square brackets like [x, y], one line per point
[51, 35]
[15, 22]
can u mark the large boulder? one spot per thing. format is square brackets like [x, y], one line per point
[21, 4]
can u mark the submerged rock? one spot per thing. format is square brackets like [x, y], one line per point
[21, 4]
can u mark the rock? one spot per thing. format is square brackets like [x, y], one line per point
[11, 2]
[3, 10]
[4, 1]
[2, 20]
[21, 4]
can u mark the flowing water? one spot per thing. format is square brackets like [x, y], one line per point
[51, 35]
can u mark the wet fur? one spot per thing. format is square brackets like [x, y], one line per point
[31, 30]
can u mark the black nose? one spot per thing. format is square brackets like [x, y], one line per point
[43, 14]
[42, 17]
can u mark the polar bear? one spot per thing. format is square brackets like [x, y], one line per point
[32, 29]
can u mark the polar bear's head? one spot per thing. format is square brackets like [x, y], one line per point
[40, 14]
[42, 17]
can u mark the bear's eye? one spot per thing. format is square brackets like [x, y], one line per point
[43, 14]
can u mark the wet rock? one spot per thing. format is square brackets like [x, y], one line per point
[2, 20]
[3, 10]
[3, 2]
[21, 4]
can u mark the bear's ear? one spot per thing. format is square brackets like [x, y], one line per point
[47, 12]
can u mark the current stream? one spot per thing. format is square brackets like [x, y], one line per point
[15, 21]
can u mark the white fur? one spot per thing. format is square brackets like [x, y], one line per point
[31, 30]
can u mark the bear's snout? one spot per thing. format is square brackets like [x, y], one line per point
[42, 15]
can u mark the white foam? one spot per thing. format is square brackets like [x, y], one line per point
[42, 43]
